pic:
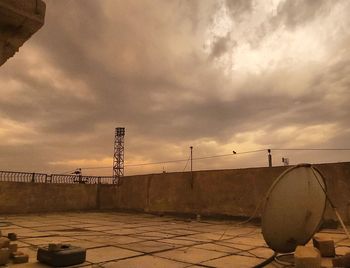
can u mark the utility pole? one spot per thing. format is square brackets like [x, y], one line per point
[191, 148]
[269, 157]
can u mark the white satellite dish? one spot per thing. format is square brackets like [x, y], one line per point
[294, 208]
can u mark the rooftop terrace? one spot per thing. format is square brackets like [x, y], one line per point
[143, 240]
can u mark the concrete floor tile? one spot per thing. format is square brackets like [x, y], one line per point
[239, 231]
[117, 238]
[160, 235]
[206, 236]
[235, 246]
[216, 247]
[180, 232]
[234, 261]
[345, 242]
[82, 225]
[274, 265]
[248, 241]
[30, 265]
[191, 255]
[149, 246]
[333, 236]
[46, 240]
[74, 233]
[145, 236]
[262, 252]
[23, 232]
[31, 224]
[102, 228]
[51, 228]
[104, 254]
[86, 244]
[342, 250]
[95, 238]
[122, 231]
[194, 239]
[21, 244]
[175, 241]
[146, 262]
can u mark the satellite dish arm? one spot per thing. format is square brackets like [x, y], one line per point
[330, 202]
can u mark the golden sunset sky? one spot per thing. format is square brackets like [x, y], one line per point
[218, 75]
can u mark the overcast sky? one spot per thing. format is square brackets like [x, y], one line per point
[219, 75]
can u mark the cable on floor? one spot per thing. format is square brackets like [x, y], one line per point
[267, 261]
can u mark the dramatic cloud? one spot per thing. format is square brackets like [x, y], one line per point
[218, 75]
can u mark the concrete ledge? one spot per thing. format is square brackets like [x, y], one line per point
[17, 197]
[19, 20]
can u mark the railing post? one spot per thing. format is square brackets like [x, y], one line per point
[33, 177]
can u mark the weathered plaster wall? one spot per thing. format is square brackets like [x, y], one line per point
[217, 193]
[17, 197]
[220, 192]
[338, 187]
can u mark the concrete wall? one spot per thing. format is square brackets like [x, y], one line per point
[338, 187]
[216, 193]
[220, 192]
[17, 197]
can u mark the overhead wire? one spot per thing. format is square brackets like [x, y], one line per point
[310, 149]
[178, 160]
[188, 160]
[220, 155]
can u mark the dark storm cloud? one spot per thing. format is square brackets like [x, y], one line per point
[293, 13]
[221, 45]
[238, 8]
[100, 64]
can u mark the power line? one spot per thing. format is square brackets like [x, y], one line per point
[179, 160]
[186, 163]
[141, 164]
[312, 149]
[223, 155]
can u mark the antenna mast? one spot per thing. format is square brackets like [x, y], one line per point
[118, 159]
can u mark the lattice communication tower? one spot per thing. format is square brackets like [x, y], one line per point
[118, 159]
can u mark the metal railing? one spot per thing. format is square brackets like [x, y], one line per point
[13, 176]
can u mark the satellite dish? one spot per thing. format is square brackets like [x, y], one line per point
[294, 208]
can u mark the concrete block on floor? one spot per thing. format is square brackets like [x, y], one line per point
[20, 257]
[4, 256]
[12, 236]
[4, 242]
[325, 246]
[307, 257]
[13, 248]
[343, 261]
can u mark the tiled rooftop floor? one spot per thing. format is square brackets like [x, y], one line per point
[142, 241]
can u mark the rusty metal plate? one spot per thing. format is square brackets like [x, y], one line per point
[294, 208]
